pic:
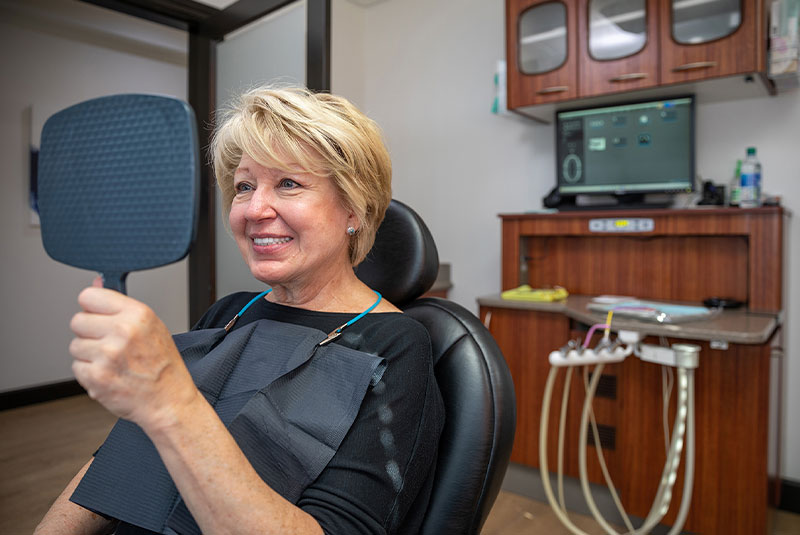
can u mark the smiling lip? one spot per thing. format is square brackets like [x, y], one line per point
[270, 241]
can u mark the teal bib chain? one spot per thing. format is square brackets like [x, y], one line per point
[333, 335]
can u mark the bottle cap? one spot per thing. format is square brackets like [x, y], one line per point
[751, 150]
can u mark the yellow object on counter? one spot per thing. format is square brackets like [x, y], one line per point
[526, 293]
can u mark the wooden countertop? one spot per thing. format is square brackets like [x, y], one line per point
[733, 326]
[588, 213]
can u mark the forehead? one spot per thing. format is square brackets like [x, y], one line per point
[248, 164]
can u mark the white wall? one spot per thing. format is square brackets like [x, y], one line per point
[271, 49]
[428, 70]
[55, 54]
[347, 51]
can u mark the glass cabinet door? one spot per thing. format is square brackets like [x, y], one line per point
[542, 51]
[619, 45]
[704, 39]
[695, 22]
[617, 28]
[542, 38]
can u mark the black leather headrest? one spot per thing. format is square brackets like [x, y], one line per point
[403, 263]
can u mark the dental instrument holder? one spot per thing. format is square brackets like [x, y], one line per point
[118, 184]
[686, 355]
[686, 358]
[680, 355]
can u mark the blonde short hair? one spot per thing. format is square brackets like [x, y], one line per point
[291, 127]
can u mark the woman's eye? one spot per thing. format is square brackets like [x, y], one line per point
[288, 183]
[241, 187]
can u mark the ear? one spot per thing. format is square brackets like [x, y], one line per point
[352, 220]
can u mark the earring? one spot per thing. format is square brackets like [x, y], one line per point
[351, 231]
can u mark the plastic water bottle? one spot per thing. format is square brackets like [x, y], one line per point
[750, 191]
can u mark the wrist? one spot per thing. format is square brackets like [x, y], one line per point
[170, 416]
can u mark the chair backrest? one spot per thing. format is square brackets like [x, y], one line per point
[473, 377]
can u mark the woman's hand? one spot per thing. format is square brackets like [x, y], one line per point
[125, 358]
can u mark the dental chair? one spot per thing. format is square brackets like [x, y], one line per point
[473, 377]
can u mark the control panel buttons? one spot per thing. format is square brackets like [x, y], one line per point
[611, 224]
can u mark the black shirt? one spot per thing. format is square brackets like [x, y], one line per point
[379, 481]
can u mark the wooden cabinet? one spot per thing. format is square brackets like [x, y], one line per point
[686, 255]
[547, 80]
[619, 48]
[690, 254]
[609, 46]
[730, 489]
[734, 41]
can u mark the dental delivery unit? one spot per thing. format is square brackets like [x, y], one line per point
[682, 357]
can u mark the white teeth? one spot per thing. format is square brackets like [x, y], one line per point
[270, 241]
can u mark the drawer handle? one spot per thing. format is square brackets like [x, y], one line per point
[553, 89]
[629, 76]
[695, 65]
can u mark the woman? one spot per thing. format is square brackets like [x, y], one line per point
[305, 180]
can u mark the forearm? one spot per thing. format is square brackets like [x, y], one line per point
[67, 517]
[220, 487]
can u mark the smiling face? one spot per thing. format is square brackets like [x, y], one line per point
[291, 227]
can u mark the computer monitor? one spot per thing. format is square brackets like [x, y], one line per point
[626, 150]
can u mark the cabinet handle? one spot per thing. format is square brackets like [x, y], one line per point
[553, 89]
[695, 65]
[628, 76]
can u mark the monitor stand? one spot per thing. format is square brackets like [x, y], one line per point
[629, 201]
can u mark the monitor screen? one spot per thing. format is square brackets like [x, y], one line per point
[643, 147]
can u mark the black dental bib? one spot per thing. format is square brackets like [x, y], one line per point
[287, 401]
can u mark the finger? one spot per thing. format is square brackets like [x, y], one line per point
[96, 351]
[97, 282]
[90, 325]
[101, 300]
[85, 374]
[87, 350]
[80, 369]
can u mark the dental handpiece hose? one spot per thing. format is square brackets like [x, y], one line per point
[686, 360]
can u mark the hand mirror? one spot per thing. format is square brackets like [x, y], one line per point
[118, 184]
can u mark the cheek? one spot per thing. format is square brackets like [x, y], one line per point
[236, 220]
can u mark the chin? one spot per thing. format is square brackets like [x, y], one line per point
[266, 279]
[267, 271]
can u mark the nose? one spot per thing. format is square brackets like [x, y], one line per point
[261, 205]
